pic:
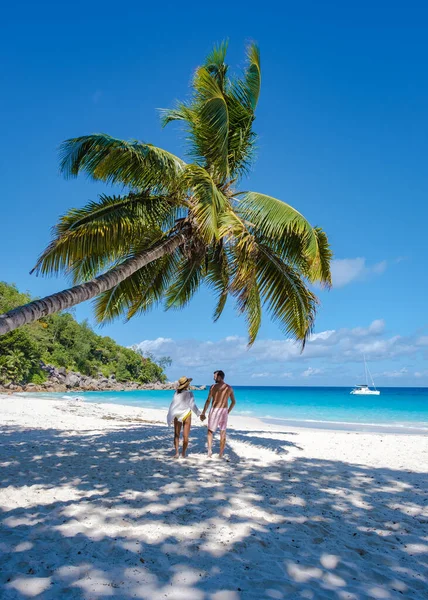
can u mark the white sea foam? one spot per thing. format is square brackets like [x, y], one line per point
[393, 427]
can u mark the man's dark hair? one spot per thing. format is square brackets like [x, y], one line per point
[221, 373]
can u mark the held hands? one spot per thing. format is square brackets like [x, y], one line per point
[202, 417]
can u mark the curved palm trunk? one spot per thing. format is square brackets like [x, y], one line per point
[85, 291]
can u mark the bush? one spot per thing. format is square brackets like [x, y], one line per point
[39, 378]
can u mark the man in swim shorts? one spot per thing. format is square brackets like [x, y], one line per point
[219, 394]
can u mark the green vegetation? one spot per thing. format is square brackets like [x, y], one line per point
[61, 341]
[177, 225]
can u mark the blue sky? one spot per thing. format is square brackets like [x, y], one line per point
[343, 136]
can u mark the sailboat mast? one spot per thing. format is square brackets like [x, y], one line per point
[368, 373]
[365, 370]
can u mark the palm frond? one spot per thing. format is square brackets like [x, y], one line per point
[284, 292]
[215, 63]
[115, 161]
[220, 115]
[186, 281]
[181, 112]
[241, 98]
[211, 129]
[252, 307]
[151, 209]
[320, 268]
[139, 292]
[66, 251]
[218, 275]
[246, 290]
[273, 219]
[291, 248]
[242, 139]
[90, 266]
[86, 268]
[234, 230]
[88, 239]
[244, 285]
[253, 75]
[207, 202]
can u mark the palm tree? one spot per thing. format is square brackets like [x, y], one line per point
[180, 224]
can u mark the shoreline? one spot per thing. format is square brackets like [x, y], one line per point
[407, 428]
[350, 427]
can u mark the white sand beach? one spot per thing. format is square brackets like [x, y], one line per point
[94, 506]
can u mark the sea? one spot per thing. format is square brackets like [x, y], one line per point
[396, 410]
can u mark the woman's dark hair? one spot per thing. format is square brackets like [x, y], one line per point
[221, 373]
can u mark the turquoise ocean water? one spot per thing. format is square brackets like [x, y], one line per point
[395, 410]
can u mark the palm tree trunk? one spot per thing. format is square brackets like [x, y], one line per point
[85, 291]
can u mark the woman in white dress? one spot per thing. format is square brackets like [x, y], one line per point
[180, 413]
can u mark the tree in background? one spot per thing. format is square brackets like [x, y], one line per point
[61, 341]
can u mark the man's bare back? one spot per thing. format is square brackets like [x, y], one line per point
[220, 394]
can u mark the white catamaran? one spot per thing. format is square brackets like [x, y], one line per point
[363, 389]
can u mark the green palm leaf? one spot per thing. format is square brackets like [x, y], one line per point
[138, 293]
[90, 266]
[88, 239]
[320, 269]
[115, 161]
[151, 209]
[285, 294]
[181, 112]
[274, 219]
[245, 288]
[218, 275]
[215, 65]
[207, 203]
[253, 75]
[211, 130]
[251, 305]
[187, 280]
[220, 115]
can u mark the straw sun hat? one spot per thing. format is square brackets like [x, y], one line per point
[183, 382]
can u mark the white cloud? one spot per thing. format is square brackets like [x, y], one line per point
[324, 335]
[347, 270]
[420, 374]
[310, 372]
[155, 345]
[336, 353]
[376, 326]
[338, 345]
[395, 374]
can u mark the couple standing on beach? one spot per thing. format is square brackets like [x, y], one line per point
[183, 404]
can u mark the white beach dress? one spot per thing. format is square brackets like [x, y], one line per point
[181, 405]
